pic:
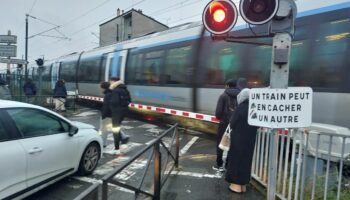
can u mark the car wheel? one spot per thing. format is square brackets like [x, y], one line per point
[89, 159]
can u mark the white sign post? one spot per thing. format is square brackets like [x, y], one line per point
[280, 108]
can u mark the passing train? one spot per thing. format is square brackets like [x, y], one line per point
[184, 70]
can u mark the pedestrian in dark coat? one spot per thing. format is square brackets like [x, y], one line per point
[241, 151]
[106, 113]
[4, 90]
[60, 95]
[120, 100]
[29, 89]
[224, 109]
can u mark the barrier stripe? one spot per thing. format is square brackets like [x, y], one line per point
[198, 116]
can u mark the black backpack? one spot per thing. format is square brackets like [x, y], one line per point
[124, 96]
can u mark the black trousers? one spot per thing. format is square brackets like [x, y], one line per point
[117, 118]
[221, 130]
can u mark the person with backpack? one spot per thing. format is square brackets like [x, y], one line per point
[119, 106]
[29, 90]
[106, 114]
[4, 90]
[224, 109]
[59, 96]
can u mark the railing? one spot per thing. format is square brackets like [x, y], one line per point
[92, 193]
[310, 164]
[161, 172]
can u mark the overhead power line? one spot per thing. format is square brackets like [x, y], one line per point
[97, 22]
[31, 9]
[86, 13]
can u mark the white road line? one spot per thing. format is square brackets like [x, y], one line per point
[188, 145]
[93, 181]
[195, 174]
[147, 126]
[88, 113]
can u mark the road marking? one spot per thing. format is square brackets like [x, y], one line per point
[88, 113]
[147, 126]
[194, 174]
[188, 145]
[93, 181]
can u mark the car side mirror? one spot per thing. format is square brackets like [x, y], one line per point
[73, 130]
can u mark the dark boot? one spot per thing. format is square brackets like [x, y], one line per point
[116, 137]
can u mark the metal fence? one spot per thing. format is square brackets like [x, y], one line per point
[48, 101]
[312, 163]
[160, 171]
[168, 143]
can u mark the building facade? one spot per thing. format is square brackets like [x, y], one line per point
[127, 26]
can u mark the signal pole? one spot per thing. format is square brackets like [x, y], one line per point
[279, 76]
[26, 51]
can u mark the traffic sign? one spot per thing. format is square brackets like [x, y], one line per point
[8, 50]
[280, 108]
[13, 61]
[8, 39]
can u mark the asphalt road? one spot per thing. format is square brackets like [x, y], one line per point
[194, 179]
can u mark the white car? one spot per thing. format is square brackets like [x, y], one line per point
[39, 147]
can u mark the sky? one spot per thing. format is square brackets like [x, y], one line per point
[78, 20]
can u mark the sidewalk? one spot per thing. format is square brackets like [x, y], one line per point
[195, 178]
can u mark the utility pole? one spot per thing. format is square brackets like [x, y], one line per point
[26, 51]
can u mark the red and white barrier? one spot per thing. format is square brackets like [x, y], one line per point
[199, 116]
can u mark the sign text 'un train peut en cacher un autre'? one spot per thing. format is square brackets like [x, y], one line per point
[280, 108]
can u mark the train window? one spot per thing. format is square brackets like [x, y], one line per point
[259, 65]
[68, 71]
[103, 67]
[110, 67]
[152, 67]
[89, 69]
[177, 63]
[134, 73]
[46, 73]
[329, 55]
[224, 61]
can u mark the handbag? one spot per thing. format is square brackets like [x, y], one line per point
[225, 140]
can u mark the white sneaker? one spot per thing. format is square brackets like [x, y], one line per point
[123, 148]
[116, 152]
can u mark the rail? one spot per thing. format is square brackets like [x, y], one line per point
[161, 173]
[311, 164]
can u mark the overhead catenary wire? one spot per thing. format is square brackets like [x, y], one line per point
[97, 22]
[31, 8]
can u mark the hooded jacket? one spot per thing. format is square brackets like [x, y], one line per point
[226, 105]
[241, 83]
[60, 90]
[4, 90]
[29, 88]
[120, 97]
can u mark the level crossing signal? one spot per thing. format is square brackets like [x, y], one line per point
[258, 12]
[220, 16]
[39, 62]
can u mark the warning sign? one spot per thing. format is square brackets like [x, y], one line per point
[280, 108]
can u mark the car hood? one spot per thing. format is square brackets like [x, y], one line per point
[81, 125]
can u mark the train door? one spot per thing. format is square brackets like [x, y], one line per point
[55, 74]
[117, 67]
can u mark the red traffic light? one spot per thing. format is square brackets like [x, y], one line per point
[220, 16]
